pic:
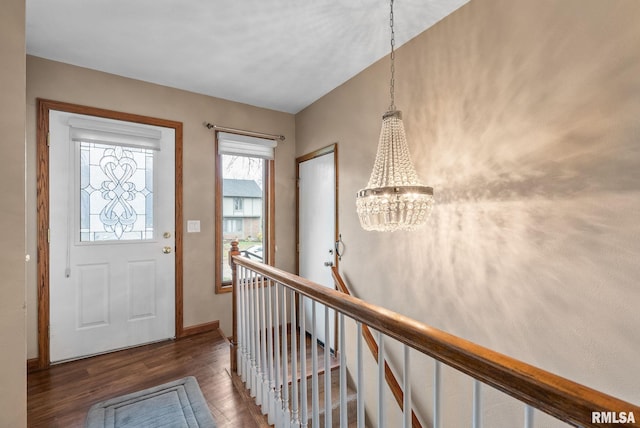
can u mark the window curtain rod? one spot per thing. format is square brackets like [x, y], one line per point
[241, 131]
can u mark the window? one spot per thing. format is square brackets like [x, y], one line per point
[244, 201]
[232, 225]
[116, 192]
[116, 174]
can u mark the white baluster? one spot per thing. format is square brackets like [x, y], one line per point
[528, 416]
[381, 381]
[256, 339]
[406, 386]
[252, 336]
[343, 373]
[315, 393]
[477, 403]
[270, 333]
[294, 362]
[250, 362]
[285, 368]
[360, 371]
[256, 325]
[240, 321]
[327, 371]
[247, 328]
[304, 412]
[277, 363]
[436, 394]
[263, 347]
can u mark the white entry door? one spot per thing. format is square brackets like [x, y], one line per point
[317, 234]
[112, 220]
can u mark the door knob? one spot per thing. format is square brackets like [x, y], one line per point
[166, 250]
[328, 264]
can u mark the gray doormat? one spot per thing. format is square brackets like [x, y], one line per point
[175, 404]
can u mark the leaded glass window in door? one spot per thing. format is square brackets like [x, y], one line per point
[116, 192]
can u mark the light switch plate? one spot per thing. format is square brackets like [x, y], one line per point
[193, 226]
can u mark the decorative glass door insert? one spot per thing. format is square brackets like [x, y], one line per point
[116, 193]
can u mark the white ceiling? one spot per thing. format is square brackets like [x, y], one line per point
[278, 54]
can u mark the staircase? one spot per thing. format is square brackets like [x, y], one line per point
[351, 407]
[335, 400]
[335, 393]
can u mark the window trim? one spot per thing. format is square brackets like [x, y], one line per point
[268, 234]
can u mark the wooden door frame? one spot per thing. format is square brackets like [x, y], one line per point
[42, 153]
[331, 148]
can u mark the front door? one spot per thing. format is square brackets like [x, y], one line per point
[112, 221]
[317, 232]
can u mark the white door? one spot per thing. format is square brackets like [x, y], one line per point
[112, 220]
[317, 232]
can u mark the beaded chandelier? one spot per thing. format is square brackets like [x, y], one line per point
[394, 198]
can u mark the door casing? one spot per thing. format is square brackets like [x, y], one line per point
[44, 107]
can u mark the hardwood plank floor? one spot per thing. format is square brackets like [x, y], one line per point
[62, 395]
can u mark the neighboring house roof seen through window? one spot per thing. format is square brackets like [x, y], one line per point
[240, 188]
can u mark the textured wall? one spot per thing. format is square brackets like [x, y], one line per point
[13, 390]
[524, 117]
[63, 82]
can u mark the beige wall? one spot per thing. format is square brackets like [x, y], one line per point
[63, 82]
[13, 389]
[525, 118]
[522, 115]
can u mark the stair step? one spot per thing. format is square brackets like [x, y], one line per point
[335, 399]
[334, 367]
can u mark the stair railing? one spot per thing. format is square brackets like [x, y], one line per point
[394, 386]
[266, 299]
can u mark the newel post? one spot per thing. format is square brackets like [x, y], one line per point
[234, 276]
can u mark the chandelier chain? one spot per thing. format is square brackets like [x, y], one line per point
[393, 57]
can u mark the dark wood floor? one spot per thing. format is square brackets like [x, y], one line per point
[62, 395]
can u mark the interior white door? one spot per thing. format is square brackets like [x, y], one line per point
[317, 231]
[112, 221]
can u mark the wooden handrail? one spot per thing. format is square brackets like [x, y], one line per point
[564, 399]
[393, 383]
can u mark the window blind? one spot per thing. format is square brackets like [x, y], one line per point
[243, 145]
[115, 133]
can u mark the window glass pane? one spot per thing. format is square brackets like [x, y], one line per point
[238, 204]
[116, 193]
[242, 208]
